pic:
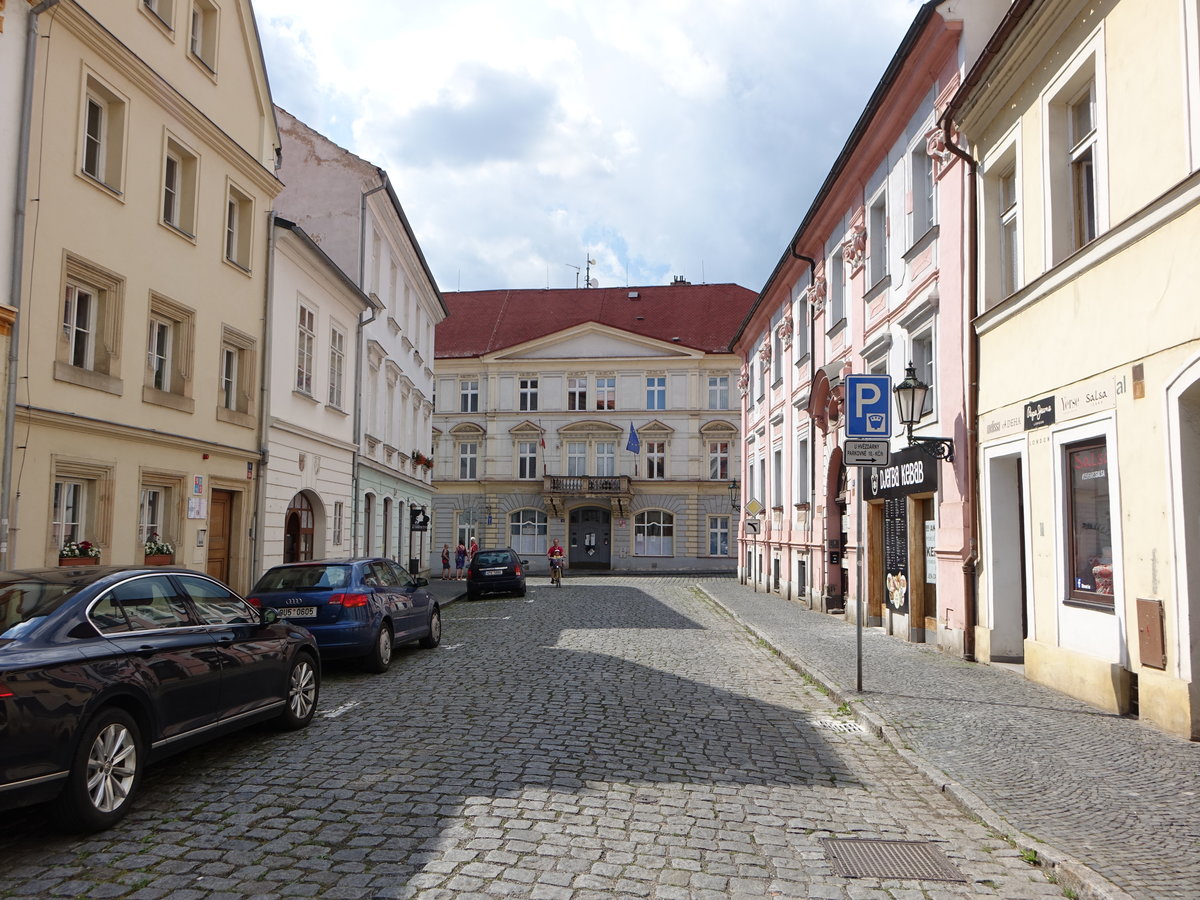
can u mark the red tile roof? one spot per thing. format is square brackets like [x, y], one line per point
[702, 316]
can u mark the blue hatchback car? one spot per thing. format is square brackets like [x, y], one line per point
[359, 608]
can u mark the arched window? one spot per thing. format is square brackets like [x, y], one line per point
[527, 531]
[654, 533]
[298, 530]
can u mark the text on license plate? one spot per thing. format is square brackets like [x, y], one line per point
[493, 571]
[299, 612]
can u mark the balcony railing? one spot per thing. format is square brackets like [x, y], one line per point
[593, 485]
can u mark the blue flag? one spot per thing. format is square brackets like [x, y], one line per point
[634, 445]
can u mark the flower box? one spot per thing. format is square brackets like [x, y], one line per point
[79, 560]
[160, 559]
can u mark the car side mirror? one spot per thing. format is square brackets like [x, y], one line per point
[420, 582]
[268, 616]
[524, 562]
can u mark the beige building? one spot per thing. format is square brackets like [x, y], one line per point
[153, 145]
[604, 417]
[1084, 125]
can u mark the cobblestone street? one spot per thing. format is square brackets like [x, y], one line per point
[615, 738]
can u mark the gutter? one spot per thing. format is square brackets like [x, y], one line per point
[360, 339]
[18, 261]
[264, 406]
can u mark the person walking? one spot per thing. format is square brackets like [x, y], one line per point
[472, 551]
[445, 562]
[460, 560]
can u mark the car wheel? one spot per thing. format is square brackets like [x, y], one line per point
[434, 637]
[303, 687]
[105, 773]
[521, 591]
[380, 656]
[473, 595]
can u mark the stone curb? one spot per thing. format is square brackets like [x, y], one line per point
[1068, 871]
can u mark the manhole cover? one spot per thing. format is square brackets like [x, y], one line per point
[844, 726]
[864, 858]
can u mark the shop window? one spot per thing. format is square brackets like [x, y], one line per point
[1089, 524]
[527, 532]
[654, 533]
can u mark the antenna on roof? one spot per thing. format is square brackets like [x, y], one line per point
[589, 280]
[576, 268]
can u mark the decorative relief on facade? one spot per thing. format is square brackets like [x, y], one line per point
[935, 146]
[743, 382]
[764, 352]
[854, 251]
[816, 292]
[784, 330]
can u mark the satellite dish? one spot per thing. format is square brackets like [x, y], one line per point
[591, 262]
[593, 283]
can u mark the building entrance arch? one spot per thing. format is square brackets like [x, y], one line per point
[589, 538]
[298, 530]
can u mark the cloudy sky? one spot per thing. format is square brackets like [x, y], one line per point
[658, 137]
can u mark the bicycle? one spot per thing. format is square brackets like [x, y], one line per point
[556, 572]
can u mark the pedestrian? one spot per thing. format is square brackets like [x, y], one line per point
[460, 559]
[445, 562]
[474, 549]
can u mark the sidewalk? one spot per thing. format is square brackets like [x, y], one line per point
[446, 592]
[1111, 803]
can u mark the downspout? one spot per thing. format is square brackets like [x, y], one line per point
[358, 369]
[971, 394]
[264, 408]
[18, 261]
[812, 373]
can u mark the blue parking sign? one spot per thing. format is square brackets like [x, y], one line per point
[868, 403]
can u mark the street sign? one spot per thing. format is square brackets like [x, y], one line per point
[859, 452]
[754, 507]
[869, 413]
[752, 526]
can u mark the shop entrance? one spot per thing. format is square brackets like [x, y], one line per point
[589, 538]
[1006, 559]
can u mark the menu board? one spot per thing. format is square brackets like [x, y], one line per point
[895, 553]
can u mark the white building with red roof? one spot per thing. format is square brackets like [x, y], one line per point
[604, 417]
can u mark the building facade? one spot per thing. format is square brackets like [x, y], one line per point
[1089, 449]
[870, 282]
[154, 145]
[349, 208]
[603, 417]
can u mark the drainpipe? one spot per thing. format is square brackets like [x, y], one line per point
[971, 394]
[18, 261]
[264, 405]
[812, 372]
[358, 369]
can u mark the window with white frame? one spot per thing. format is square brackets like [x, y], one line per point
[718, 535]
[69, 499]
[718, 392]
[102, 145]
[751, 380]
[150, 514]
[337, 366]
[606, 392]
[1089, 551]
[718, 460]
[169, 351]
[80, 307]
[800, 479]
[577, 458]
[306, 342]
[921, 355]
[656, 459]
[202, 39]
[158, 355]
[180, 180]
[468, 458]
[577, 393]
[877, 239]
[606, 458]
[924, 201]
[237, 371]
[1082, 123]
[80, 510]
[1073, 114]
[527, 532]
[163, 10]
[776, 354]
[656, 392]
[527, 393]
[527, 459]
[654, 533]
[339, 514]
[239, 227]
[468, 395]
[777, 479]
[1007, 213]
[89, 345]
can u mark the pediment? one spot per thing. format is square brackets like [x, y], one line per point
[592, 340]
[527, 427]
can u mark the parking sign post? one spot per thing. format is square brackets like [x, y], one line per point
[869, 413]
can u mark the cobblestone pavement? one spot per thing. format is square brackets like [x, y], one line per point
[1102, 794]
[615, 738]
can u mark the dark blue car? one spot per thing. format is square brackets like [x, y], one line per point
[359, 608]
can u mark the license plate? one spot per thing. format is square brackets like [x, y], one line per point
[493, 571]
[299, 612]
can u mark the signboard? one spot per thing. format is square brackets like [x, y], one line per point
[753, 508]
[930, 556]
[910, 471]
[895, 553]
[1039, 413]
[861, 452]
[752, 526]
[868, 398]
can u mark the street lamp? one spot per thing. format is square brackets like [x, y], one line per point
[910, 401]
[735, 495]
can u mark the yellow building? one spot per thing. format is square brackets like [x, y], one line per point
[151, 171]
[1084, 124]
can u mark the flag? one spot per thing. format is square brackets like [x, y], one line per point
[542, 441]
[634, 445]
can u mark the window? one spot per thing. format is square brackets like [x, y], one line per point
[147, 604]
[576, 458]
[217, 604]
[718, 392]
[606, 458]
[1082, 122]
[203, 37]
[654, 533]
[239, 211]
[102, 150]
[718, 460]
[67, 522]
[1089, 526]
[169, 354]
[1008, 232]
[337, 366]
[656, 459]
[718, 535]
[801, 481]
[79, 325]
[924, 202]
[89, 348]
[777, 479]
[1073, 111]
[81, 504]
[229, 377]
[877, 243]
[236, 378]
[527, 531]
[922, 360]
[656, 392]
[527, 459]
[150, 514]
[468, 396]
[158, 356]
[835, 289]
[180, 175]
[468, 452]
[339, 515]
[606, 392]
[528, 394]
[163, 10]
[577, 393]
[306, 338]
[776, 355]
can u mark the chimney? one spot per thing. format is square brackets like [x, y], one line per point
[679, 279]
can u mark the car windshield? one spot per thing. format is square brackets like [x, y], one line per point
[24, 601]
[493, 558]
[315, 577]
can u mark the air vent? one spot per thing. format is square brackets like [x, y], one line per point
[634, 295]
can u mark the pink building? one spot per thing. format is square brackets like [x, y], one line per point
[872, 280]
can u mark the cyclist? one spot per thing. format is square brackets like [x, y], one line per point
[555, 554]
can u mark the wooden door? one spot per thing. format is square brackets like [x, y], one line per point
[220, 527]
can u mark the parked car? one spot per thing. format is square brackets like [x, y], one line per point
[354, 607]
[496, 572]
[104, 669]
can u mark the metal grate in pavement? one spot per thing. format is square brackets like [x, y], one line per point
[866, 858]
[845, 726]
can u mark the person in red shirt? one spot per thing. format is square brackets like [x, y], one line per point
[555, 555]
